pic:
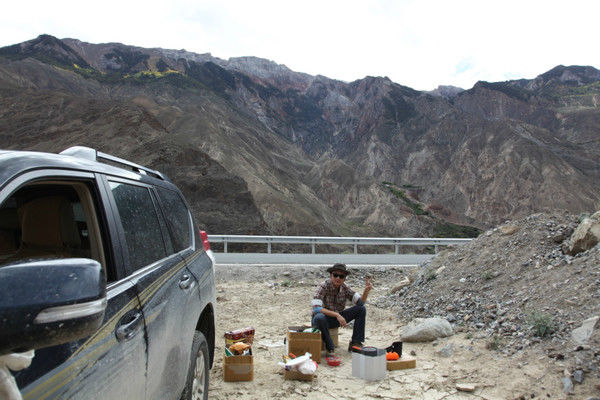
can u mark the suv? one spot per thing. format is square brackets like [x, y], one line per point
[103, 273]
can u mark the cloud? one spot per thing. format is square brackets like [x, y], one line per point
[464, 66]
[420, 44]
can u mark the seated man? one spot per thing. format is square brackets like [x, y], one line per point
[329, 303]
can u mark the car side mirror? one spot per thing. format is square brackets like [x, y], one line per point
[50, 302]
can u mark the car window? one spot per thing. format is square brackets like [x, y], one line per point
[178, 218]
[140, 224]
[50, 220]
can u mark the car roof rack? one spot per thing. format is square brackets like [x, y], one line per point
[88, 153]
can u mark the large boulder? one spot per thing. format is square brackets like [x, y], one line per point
[584, 332]
[426, 330]
[586, 236]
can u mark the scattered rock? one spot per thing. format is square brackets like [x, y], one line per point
[567, 385]
[446, 351]
[578, 376]
[403, 283]
[519, 288]
[508, 229]
[426, 330]
[465, 387]
[583, 333]
[586, 236]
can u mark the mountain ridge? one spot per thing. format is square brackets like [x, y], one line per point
[315, 152]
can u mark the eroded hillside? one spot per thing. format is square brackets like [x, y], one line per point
[300, 154]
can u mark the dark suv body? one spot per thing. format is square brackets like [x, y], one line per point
[104, 273]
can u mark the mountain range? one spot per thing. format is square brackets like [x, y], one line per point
[259, 148]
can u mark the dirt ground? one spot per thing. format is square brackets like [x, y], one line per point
[272, 298]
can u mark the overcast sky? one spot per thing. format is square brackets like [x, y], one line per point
[420, 44]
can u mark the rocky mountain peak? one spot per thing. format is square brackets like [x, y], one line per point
[268, 71]
[560, 75]
[496, 151]
[581, 75]
[46, 48]
[446, 91]
[374, 80]
[258, 66]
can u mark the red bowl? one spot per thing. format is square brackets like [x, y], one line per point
[334, 361]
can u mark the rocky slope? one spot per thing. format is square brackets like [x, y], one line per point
[515, 287]
[49, 121]
[317, 156]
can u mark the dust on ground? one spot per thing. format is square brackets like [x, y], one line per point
[275, 301]
[484, 289]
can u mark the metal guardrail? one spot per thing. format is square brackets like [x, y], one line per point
[355, 258]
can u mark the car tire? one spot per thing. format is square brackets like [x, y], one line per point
[196, 385]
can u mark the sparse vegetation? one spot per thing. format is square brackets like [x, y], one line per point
[449, 230]
[128, 59]
[162, 66]
[542, 324]
[172, 77]
[487, 275]
[495, 343]
[414, 206]
[430, 275]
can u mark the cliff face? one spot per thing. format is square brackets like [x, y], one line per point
[272, 150]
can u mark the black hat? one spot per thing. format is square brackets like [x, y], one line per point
[338, 267]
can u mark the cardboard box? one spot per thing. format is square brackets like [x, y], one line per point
[403, 363]
[333, 332]
[238, 368]
[297, 376]
[302, 342]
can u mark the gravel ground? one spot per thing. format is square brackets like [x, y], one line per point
[511, 295]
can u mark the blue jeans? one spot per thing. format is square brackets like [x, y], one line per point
[356, 313]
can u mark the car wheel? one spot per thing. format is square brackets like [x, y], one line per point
[196, 386]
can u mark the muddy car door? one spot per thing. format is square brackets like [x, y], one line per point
[168, 292]
[61, 214]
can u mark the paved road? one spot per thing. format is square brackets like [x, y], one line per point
[350, 259]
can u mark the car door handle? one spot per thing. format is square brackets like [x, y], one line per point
[185, 282]
[130, 325]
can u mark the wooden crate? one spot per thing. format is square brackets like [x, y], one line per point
[403, 363]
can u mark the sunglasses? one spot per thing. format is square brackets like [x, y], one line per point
[341, 276]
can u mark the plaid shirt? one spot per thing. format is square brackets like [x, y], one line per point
[333, 300]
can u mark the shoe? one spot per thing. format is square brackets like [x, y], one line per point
[355, 346]
[330, 353]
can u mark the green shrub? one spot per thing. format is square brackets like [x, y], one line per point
[487, 275]
[449, 230]
[415, 207]
[542, 324]
[494, 343]
[430, 275]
